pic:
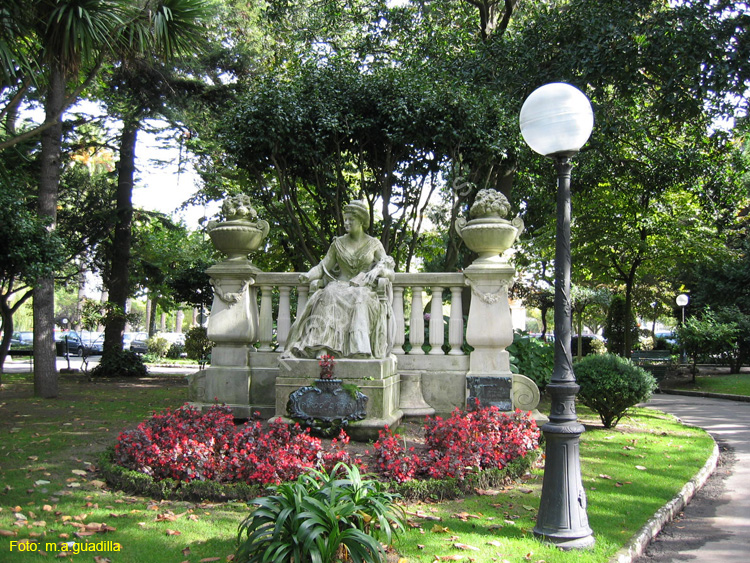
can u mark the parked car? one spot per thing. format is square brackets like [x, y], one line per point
[93, 342]
[128, 337]
[172, 337]
[72, 340]
[22, 341]
[139, 344]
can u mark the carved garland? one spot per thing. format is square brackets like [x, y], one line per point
[229, 297]
[491, 298]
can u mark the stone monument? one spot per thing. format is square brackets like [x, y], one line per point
[489, 327]
[234, 315]
[349, 317]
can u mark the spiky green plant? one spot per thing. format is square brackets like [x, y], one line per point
[321, 518]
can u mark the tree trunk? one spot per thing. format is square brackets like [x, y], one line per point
[119, 282]
[45, 360]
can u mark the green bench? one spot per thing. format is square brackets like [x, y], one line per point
[657, 362]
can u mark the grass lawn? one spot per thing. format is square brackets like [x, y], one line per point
[50, 490]
[734, 384]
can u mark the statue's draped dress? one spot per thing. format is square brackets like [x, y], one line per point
[345, 318]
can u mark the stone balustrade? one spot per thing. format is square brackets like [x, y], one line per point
[282, 286]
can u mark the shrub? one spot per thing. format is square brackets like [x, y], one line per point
[175, 351]
[532, 357]
[187, 444]
[619, 322]
[611, 384]
[158, 346]
[707, 338]
[120, 363]
[321, 517]
[464, 443]
[197, 345]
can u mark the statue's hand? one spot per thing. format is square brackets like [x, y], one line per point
[304, 278]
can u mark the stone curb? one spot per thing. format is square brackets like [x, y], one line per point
[728, 397]
[638, 543]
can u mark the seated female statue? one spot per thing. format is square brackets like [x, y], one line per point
[349, 313]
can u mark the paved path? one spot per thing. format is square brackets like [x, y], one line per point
[715, 526]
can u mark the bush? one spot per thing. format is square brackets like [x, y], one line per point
[464, 443]
[120, 363]
[176, 351]
[611, 384]
[321, 517]
[197, 345]
[158, 346]
[532, 357]
[187, 444]
[618, 324]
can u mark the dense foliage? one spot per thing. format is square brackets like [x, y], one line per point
[610, 385]
[464, 443]
[532, 357]
[120, 363]
[187, 444]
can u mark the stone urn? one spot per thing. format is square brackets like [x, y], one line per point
[242, 232]
[488, 233]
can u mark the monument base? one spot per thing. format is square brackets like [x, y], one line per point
[235, 387]
[377, 379]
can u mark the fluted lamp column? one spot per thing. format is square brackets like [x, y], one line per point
[556, 121]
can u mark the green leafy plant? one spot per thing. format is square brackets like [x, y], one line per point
[707, 338]
[321, 518]
[120, 363]
[532, 357]
[158, 346]
[197, 345]
[611, 384]
[619, 324]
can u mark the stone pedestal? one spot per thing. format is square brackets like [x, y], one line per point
[232, 326]
[378, 379]
[489, 331]
[412, 401]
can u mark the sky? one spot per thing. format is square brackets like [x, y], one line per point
[158, 187]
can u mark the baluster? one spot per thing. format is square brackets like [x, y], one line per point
[398, 318]
[437, 333]
[416, 322]
[284, 322]
[456, 323]
[265, 324]
[302, 292]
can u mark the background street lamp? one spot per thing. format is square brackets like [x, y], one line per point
[682, 300]
[556, 120]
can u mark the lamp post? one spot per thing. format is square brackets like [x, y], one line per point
[556, 120]
[682, 300]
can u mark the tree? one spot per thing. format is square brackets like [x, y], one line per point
[30, 251]
[141, 86]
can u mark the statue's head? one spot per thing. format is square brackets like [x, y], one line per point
[360, 210]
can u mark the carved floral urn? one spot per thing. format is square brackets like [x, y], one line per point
[489, 233]
[242, 232]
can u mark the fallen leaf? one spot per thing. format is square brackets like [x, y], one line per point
[8, 533]
[438, 529]
[186, 551]
[98, 559]
[448, 557]
[79, 472]
[210, 559]
[603, 476]
[640, 468]
[173, 532]
[465, 546]
[487, 492]
[464, 516]
[495, 543]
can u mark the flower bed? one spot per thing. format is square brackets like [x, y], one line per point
[206, 453]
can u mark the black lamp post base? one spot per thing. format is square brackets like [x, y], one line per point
[562, 518]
